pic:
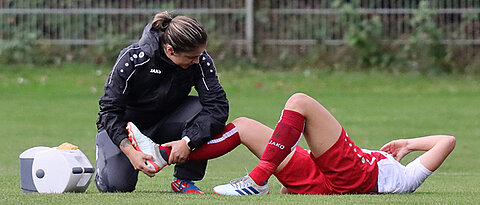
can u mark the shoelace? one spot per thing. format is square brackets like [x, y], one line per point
[240, 183]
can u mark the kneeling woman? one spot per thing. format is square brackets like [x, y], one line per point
[149, 85]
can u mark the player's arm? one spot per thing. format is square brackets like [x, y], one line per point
[438, 147]
[211, 119]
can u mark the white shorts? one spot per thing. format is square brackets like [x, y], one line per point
[393, 177]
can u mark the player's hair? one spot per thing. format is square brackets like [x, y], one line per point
[183, 33]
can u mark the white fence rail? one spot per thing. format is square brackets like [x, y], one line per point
[243, 23]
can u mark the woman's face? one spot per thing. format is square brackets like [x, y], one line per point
[185, 59]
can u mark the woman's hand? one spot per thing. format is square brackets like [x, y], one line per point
[137, 159]
[397, 148]
[180, 151]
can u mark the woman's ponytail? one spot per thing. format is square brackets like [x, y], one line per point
[161, 21]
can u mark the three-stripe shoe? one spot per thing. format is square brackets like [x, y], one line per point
[144, 144]
[241, 186]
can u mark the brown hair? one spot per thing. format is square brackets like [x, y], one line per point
[183, 33]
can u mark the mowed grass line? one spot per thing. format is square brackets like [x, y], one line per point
[49, 106]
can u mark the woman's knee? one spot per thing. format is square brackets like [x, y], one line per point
[298, 102]
[116, 185]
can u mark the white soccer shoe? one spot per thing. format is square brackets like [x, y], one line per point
[241, 186]
[144, 144]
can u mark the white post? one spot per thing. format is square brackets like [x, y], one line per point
[249, 28]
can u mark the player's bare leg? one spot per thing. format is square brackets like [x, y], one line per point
[322, 130]
[298, 109]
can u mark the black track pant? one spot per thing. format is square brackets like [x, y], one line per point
[114, 171]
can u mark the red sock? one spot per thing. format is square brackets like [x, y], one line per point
[285, 137]
[223, 143]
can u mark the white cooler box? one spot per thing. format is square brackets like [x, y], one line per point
[51, 170]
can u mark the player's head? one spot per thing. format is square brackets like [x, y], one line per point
[183, 39]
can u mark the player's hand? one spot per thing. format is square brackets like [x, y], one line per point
[397, 148]
[180, 151]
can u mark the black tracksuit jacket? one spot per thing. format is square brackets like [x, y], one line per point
[144, 85]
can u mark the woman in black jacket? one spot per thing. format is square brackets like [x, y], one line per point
[149, 86]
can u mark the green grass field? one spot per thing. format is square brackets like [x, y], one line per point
[49, 106]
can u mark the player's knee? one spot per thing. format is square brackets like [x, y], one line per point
[451, 141]
[297, 102]
[241, 121]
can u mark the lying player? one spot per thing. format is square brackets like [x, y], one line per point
[334, 164]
